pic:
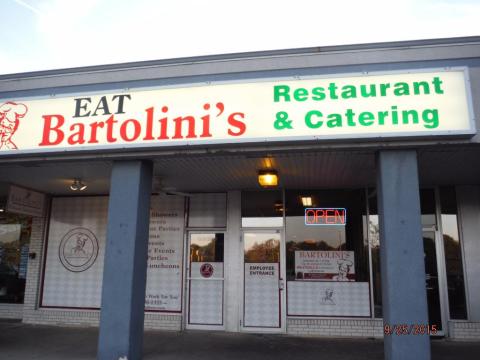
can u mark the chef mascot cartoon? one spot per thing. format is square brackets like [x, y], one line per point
[10, 115]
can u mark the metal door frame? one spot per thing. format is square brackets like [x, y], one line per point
[282, 281]
[441, 265]
[434, 230]
[188, 278]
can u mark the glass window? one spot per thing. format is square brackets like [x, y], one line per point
[374, 236]
[333, 225]
[14, 244]
[427, 207]
[206, 247]
[262, 209]
[262, 248]
[326, 253]
[453, 254]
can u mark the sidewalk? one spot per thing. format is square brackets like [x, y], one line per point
[24, 342]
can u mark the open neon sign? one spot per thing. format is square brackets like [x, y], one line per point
[325, 216]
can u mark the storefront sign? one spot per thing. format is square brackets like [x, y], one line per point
[25, 201]
[76, 251]
[344, 107]
[325, 216]
[306, 298]
[325, 265]
[165, 254]
[73, 271]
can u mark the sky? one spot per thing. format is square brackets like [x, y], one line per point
[52, 34]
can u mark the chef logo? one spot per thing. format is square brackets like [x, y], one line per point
[10, 115]
[328, 297]
[206, 270]
[78, 250]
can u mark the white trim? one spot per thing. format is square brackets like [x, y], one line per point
[462, 251]
[441, 265]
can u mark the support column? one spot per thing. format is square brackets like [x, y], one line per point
[125, 268]
[401, 254]
[233, 257]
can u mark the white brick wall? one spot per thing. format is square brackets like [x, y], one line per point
[11, 311]
[335, 327]
[464, 330]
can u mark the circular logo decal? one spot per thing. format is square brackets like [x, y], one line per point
[78, 250]
[206, 270]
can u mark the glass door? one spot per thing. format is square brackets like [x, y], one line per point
[205, 281]
[432, 282]
[263, 298]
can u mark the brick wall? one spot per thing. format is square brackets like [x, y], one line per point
[464, 330]
[32, 286]
[11, 311]
[335, 327]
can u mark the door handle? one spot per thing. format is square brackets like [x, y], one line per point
[281, 284]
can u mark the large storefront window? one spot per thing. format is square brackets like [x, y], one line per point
[262, 208]
[453, 254]
[428, 215]
[453, 257]
[326, 253]
[15, 233]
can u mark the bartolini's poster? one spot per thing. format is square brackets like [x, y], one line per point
[325, 265]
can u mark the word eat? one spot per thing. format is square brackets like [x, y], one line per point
[325, 216]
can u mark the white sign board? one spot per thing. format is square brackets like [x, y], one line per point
[320, 298]
[73, 271]
[165, 254]
[325, 265]
[408, 104]
[25, 201]
[76, 250]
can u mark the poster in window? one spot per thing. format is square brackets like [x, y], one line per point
[73, 272]
[325, 265]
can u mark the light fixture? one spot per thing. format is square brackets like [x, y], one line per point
[268, 178]
[278, 206]
[2, 210]
[306, 200]
[78, 185]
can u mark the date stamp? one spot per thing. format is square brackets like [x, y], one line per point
[410, 329]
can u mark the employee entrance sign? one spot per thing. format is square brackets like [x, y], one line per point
[368, 106]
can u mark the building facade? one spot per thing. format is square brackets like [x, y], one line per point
[140, 181]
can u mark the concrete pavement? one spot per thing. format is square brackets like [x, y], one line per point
[32, 342]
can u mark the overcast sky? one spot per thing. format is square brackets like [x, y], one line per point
[51, 34]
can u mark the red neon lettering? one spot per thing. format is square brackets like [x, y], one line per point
[340, 215]
[325, 216]
[329, 219]
[310, 216]
[320, 213]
